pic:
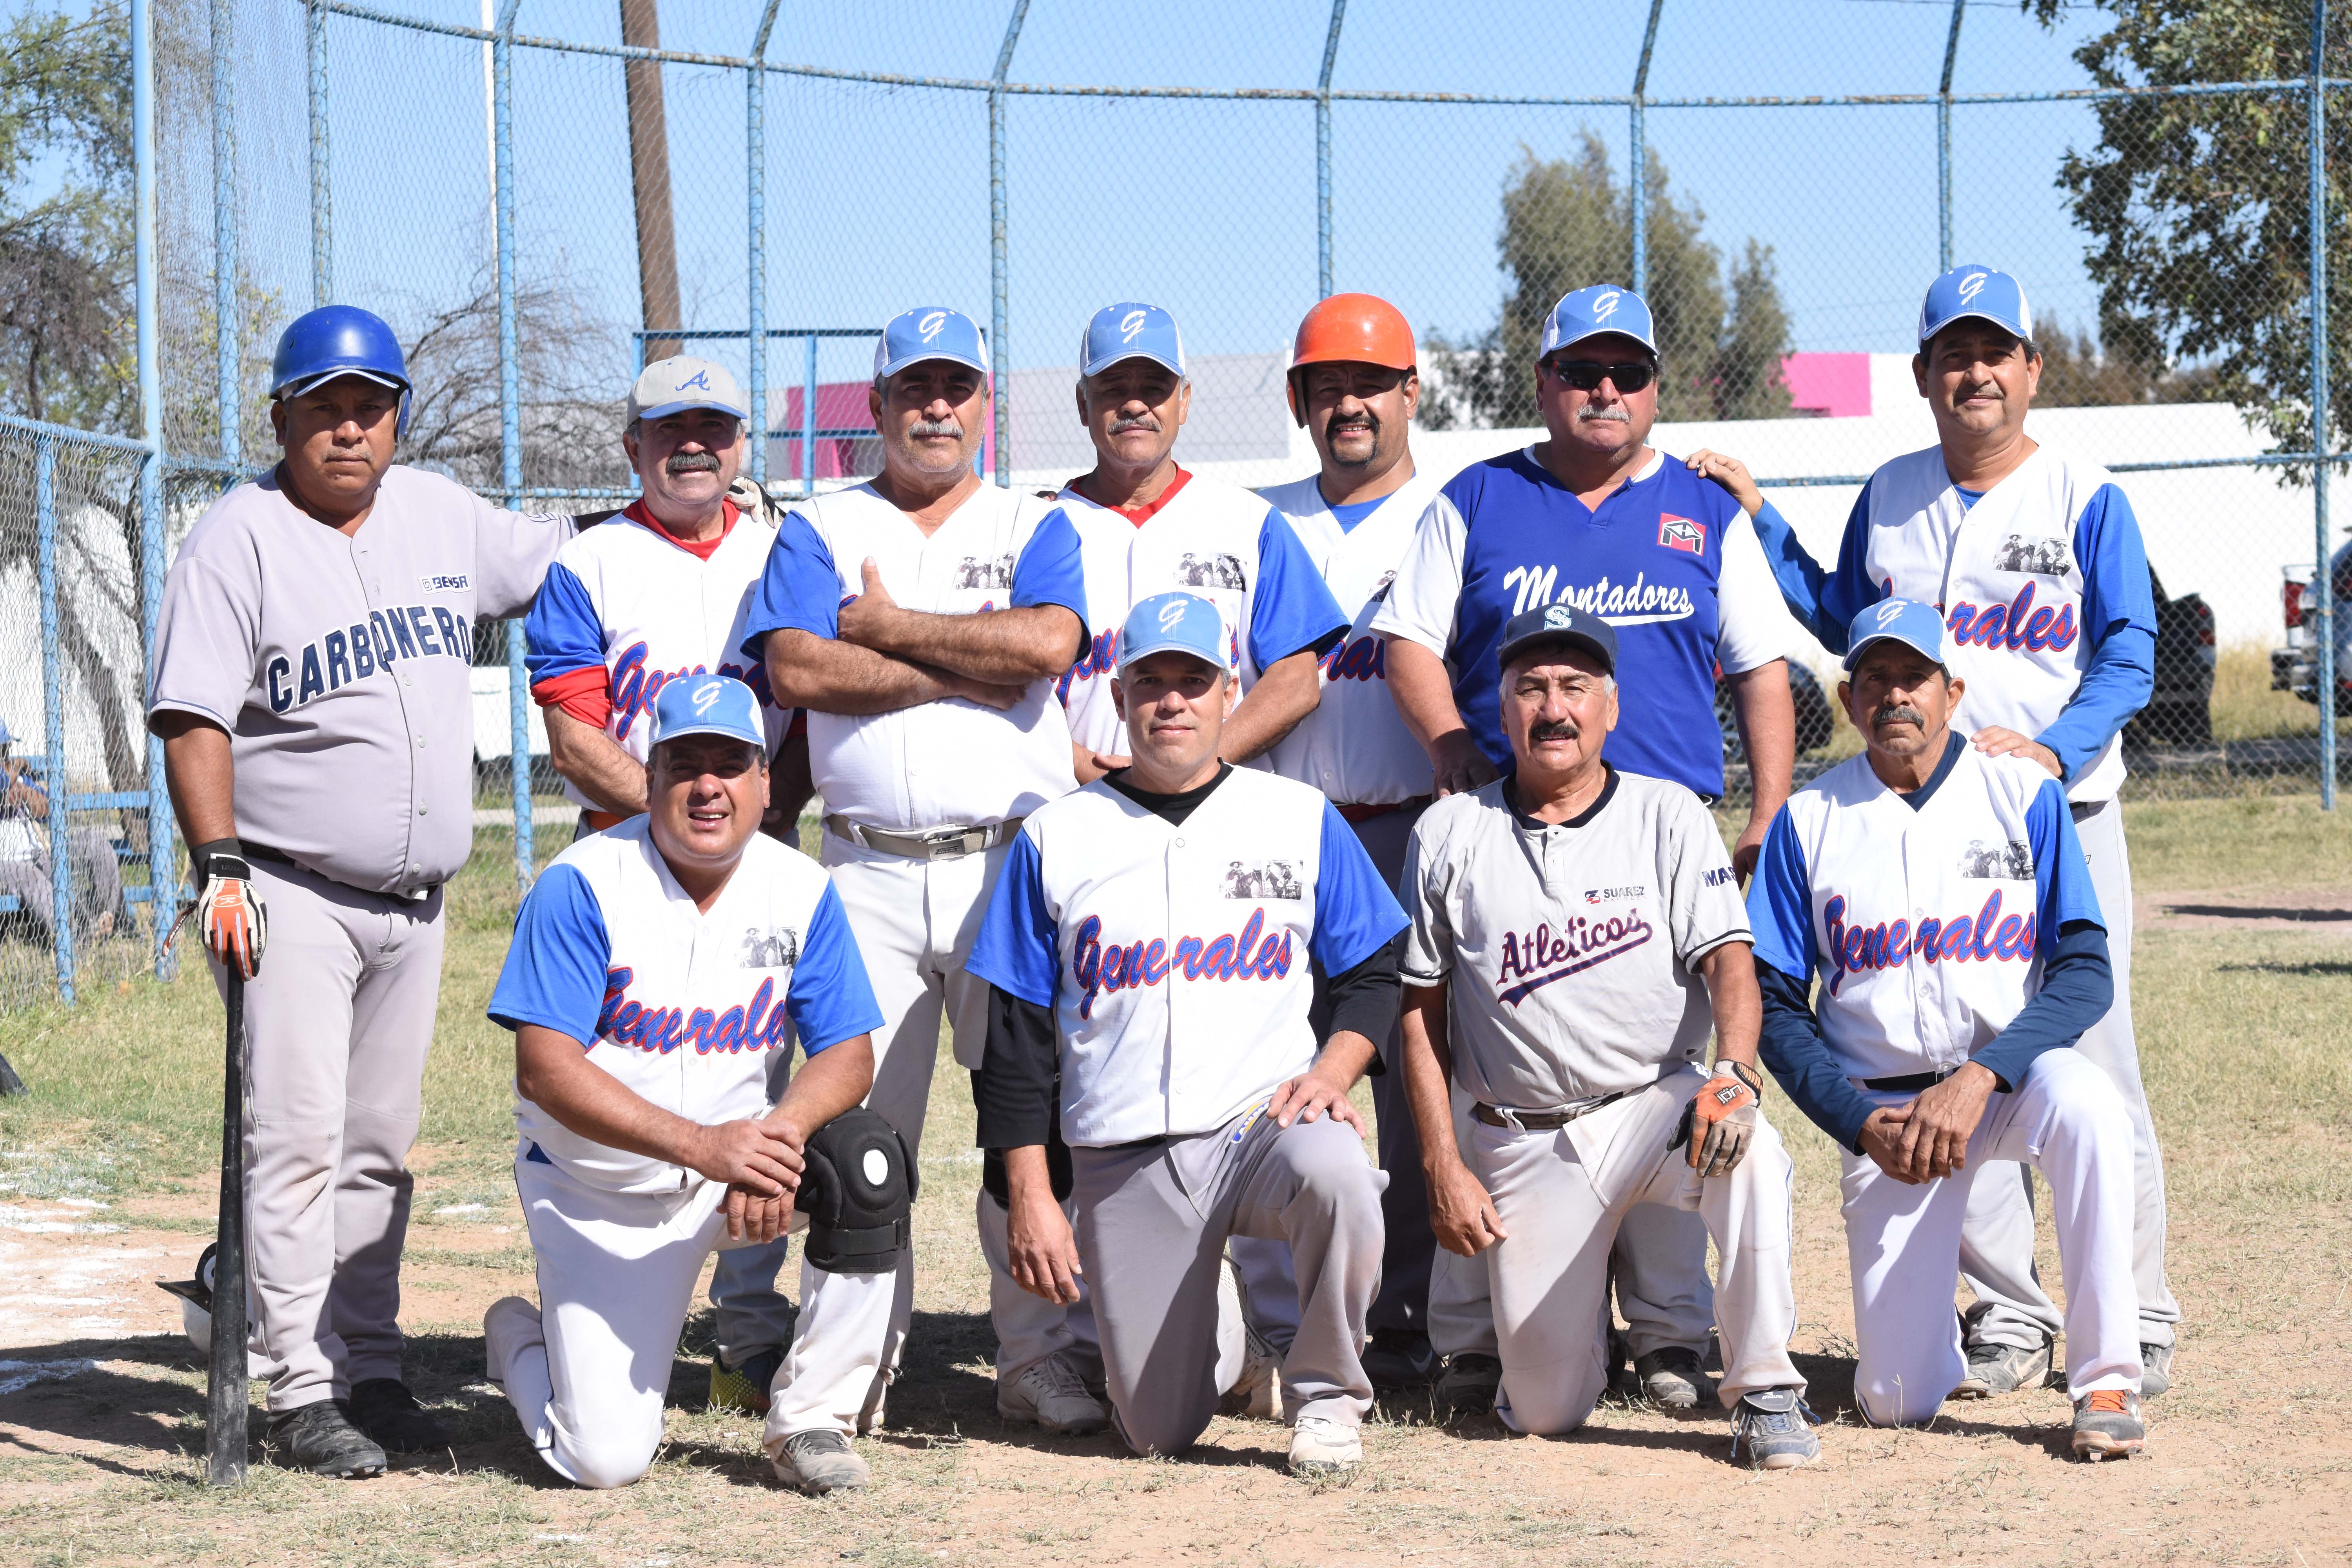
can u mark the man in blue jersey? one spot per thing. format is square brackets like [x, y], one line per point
[1596, 518]
[2034, 559]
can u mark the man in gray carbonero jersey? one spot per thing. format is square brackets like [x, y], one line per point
[310, 685]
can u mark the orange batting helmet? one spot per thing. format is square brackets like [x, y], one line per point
[1357, 329]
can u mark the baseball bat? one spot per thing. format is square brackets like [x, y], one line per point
[226, 1394]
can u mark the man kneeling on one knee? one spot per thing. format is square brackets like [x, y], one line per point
[654, 966]
[1586, 929]
[1172, 998]
[1939, 894]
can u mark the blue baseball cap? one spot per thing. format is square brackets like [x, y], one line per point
[1561, 623]
[681, 382]
[1589, 312]
[1906, 621]
[1130, 330]
[929, 331]
[1174, 622]
[709, 705]
[1983, 292]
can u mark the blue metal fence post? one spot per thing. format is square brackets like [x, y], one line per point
[225, 276]
[2323, 617]
[1323, 153]
[510, 421]
[163, 863]
[997, 358]
[1640, 156]
[322, 206]
[755, 161]
[1944, 143]
[808, 421]
[53, 714]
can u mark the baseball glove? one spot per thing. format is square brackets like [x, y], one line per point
[1721, 1120]
[229, 915]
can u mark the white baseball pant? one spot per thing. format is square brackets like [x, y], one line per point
[616, 1273]
[1997, 1238]
[1563, 1194]
[915, 921]
[1902, 1243]
[337, 1025]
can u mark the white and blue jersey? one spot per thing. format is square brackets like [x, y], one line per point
[2043, 583]
[1209, 538]
[1668, 560]
[1928, 917]
[951, 762]
[1175, 956]
[683, 1006]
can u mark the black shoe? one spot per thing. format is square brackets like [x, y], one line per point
[1672, 1378]
[321, 1439]
[1470, 1382]
[1399, 1360]
[384, 1409]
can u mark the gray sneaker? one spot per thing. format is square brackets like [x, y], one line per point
[1671, 1378]
[1777, 1428]
[819, 1463]
[1996, 1370]
[2155, 1370]
[2107, 1426]
[1469, 1383]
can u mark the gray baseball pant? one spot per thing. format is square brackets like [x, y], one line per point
[337, 1025]
[1153, 1221]
[1997, 1237]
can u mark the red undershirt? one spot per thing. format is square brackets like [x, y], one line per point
[1140, 515]
[585, 694]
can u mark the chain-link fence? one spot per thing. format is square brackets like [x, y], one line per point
[540, 197]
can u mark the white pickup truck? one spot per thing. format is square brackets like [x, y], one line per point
[2296, 667]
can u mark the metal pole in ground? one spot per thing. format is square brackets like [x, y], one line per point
[510, 426]
[163, 864]
[808, 421]
[226, 307]
[1944, 142]
[52, 714]
[1641, 156]
[755, 164]
[2323, 615]
[322, 206]
[997, 265]
[1323, 153]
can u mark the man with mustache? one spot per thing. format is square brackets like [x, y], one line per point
[1952, 990]
[920, 619]
[652, 594]
[2035, 558]
[1354, 385]
[1139, 517]
[1596, 518]
[1575, 930]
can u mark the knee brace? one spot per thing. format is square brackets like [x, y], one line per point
[858, 1191]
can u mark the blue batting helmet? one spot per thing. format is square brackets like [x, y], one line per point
[334, 341]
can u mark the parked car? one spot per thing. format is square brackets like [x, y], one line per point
[2180, 712]
[2296, 667]
[1815, 722]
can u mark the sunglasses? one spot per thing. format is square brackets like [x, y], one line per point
[1585, 375]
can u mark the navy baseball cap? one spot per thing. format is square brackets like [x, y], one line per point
[1174, 622]
[1130, 330]
[1565, 623]
[709, 705]
[1984, 292]
[1906, 621]
[929, 331]
[681, 382]
[1589, 312]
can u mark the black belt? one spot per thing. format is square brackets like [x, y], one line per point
[1909, 1082]
[264, 852]
[1541, 1120]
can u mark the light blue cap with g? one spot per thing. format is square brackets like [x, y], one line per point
[929, 331]
[1984, 292]
[1174, 622]
[1589, 312]
[1126, 331]
[1906, 621]
[709, 705]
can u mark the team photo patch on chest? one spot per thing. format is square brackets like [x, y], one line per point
[1261, 880]
[985, 572]
[1222, 570]
[2044, 554]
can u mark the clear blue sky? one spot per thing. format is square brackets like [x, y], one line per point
[879, 196]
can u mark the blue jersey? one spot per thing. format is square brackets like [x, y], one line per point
[1668, 560]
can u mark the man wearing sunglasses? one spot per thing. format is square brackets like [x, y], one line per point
[1596, 518]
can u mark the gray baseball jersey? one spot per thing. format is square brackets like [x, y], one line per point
[1571, 951]
[337, 665]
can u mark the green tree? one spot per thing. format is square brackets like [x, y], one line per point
[66, 345]
[1568, 222]
[2198, 207]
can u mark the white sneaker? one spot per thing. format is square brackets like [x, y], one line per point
[511, 1324]
[1258, 1390]
[1051, 1394]
[1322, 1448]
